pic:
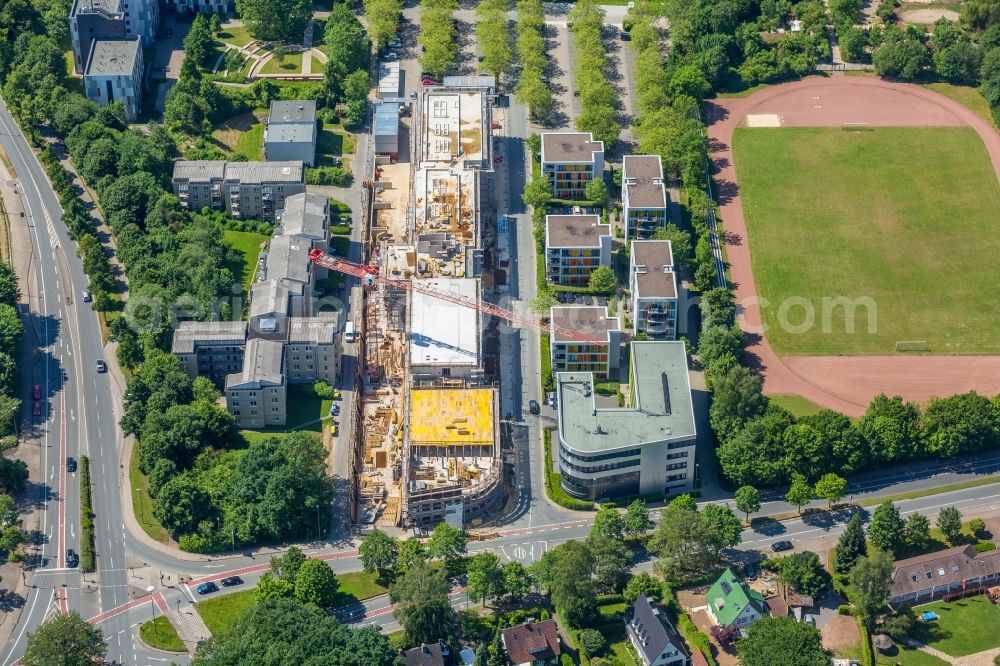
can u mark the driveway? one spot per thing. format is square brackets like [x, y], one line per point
[169, 56]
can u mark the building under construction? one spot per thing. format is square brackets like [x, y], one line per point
[430, 447]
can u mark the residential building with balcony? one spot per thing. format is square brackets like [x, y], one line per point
[600, 357]
[652, 284]
[256, 396]
[644, 197]
[212, 349]
[245, 190]
[113, 73]
[646, 447]
[312, 352]
[91, 20]
[570, 160]
[574, 246]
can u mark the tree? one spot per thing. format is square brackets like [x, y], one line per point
[747, 500]
[198, 41]
[596, 191]
[516, 581]
[447, 543]
[804, 573]
[215, 24]
[799, 493]
[680, 244]
[271, 587]
[612, 562]
[65, 639]
[901, 57]
[8, 510]
[498, 654]
[275, 20]
[977, 526]
[543, 301]
[287, 566]
[871, 578]
[289, 632]
[378, 552]
[602, 280]
[485, 579]
[591, 641]
[853, 42]
[421, 595]
[316, 584]
[899, 624]
[410, 551]
[831, 488]
[918, 529]
[781, 641]
[9, 291]
[643, 584]
[736, 396]
[538, 192]
[689, 80]
[886, 529]
[683, 541]
[949, 521]
[636, 519]
[608, 524]
[566, 572]
[724, 525]
[850, 546]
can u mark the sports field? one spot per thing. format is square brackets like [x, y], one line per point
[902, 222]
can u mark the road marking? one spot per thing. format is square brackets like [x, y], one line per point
[62, 479]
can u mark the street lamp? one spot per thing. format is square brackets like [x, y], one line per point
[149, 590]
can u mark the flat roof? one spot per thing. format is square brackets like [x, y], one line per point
[660, 406]
[388, 79]
[652, 262]
[94, 6]
[642, 181]
[288, 258]
[292, 111]
[569, 147]
[190, 334]
[444, 333]
[453, 126]
[586, 319]
[452, 416]
[575, 230]
[305, 214]
[289, 133]
[316, 330]
[113, 57]
[262, 365]
[200, 170]
[445, 200]
[290, 171]
[386, 119]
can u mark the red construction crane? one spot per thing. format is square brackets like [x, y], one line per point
[370, 275]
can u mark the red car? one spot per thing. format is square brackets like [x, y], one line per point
[429, 82]
[36, 392]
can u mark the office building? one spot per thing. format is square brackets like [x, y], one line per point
[644, 197]
[652, 285]
[113, 73]
[574, 246]
[245, 190]
[646, 447]
[570, 160]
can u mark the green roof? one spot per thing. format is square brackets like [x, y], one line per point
[730, 596]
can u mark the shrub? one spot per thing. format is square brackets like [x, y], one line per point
[328, 175]
[845, 609]
[323, 390]
[976, 526]
[565, 660]
[87, 555]
[591, 641]
[985, 546]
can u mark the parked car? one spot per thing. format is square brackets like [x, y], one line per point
[229, 581]
[534, 407]
[624, 36]
[87, 297]
[551, 399]
[36, 392]
[334, 409]
[70, 465]
[101, 366]
[207, 588]
[428, 82]
[334, 429]
[72, 559]
[36, 410]
[779, 546]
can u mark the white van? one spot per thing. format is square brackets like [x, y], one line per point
[349, 333]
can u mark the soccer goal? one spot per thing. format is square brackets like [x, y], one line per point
[855, 127]
[911, 346]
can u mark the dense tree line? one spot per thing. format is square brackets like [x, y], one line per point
[494, 36]
[532, 88]
[382, 18]
[346, 76]
[438, 36]
[598, 98]
[275, 20]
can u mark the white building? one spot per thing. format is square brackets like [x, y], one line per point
[574, 246]
[290, 133]
[644, 198]
[570, 160]
[445, 338]
[652, 283]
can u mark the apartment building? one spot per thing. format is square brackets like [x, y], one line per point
[645, 447]
[245, 190]
[290, 133]
[312, 352]
[212, 349]
[203, 6]
[445, 338]
[644, 197]
[601, 357]
[570, 160]
[91, 20]
[652, 284]
[113, 73]
[307, 216]
[574, 246]
[256, 396]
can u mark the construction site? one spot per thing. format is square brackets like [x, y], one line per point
[428, 449]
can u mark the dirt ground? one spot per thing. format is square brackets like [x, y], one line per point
[927, 16]
[840, 634]
[695, 598]
[842, 383]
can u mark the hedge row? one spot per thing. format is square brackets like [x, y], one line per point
[552, 486]
[87, 554]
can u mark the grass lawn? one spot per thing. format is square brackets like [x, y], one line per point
[332, 142]
[397, 639]
[142, 503]
[248, 244]
[220, 612]
[160, 634]
[966, 626]
[237, 36]
[250, 144]
[967, 96]
[876, 219]
[796, 404]
[617, 648]
[908, 657]
[357, 586]
[229, 133]
[292, 64]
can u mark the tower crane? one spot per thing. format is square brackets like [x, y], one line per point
[371, 275]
